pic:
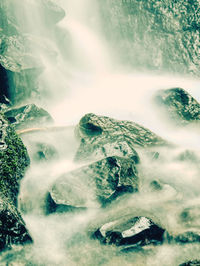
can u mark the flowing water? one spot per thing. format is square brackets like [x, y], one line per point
[86, 80]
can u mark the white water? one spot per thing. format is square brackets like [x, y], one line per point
[87, 81]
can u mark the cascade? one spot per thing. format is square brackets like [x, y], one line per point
[79, 75]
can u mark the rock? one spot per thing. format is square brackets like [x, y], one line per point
[14, 160]
[106, 147]
[190, 216]
[191, 263]
[179, 105]
[45, 152]
[102, 181]
[156, 185]
[28, 116]
[188, 156]
[102, 136]
[52, 206]
[161, 36]
[188, 237]
[4, 91]
[138, 231]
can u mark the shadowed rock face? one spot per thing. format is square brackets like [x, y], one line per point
[13, 162]
[179, 105]
[102, 181]
[137, 231]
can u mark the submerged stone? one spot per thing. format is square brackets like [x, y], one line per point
[190, 216]
[102, 181]
[179, 105]
[138, 231]
[188, 237]
[44, 152]
[28, 116]
[14, 160]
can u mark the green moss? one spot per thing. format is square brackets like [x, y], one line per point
[13, 161]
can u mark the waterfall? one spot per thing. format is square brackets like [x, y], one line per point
[79, 75]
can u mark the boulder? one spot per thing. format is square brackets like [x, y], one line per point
[102, 136]
[28, 116]
[14, 160]
[92, 126]
[179, 105]
[101, 181]
[130, 231]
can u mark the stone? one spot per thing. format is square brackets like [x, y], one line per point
[92, 126]
[137, 231]
[191, 263]
[190, 216]
[28, 116]
[160, 36]
[101, 181]
[14, 160]
[188, 237]
[179, 105]
[106, 147]
[44, 152]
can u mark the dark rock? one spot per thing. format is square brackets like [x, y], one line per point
[138, 231]
[188, 237]
[179, 105]
[102, 136]
[104, 180]
[4, 88]
[191, 263]
[28, 116]
[156, 185]
[13, 162]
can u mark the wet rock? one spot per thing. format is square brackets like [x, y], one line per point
[45, 152]
[92, 126]
[161, 36]
[105, 147]
[13, 162]
[188, 237]
[138, 231]
[191, 263]
[179, 105]
[156, 185]
[102, 181]
[52, 206]
[102, 136]
[28, 116]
